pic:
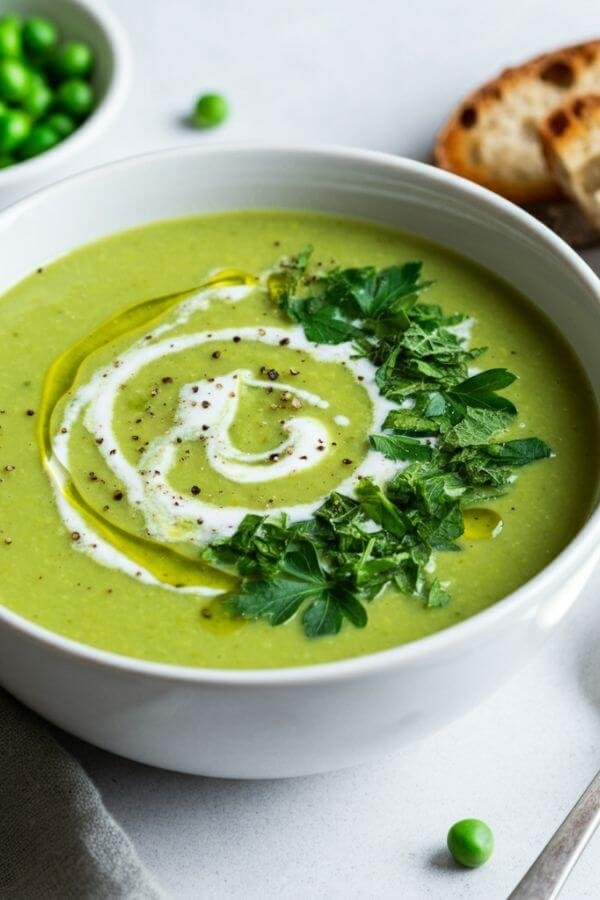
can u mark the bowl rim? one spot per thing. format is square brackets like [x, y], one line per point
[573, 555]
[103, 114]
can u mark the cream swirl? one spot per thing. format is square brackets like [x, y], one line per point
[206, 410]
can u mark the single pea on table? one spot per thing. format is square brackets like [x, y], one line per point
[210, 110]
[471, 842]
[45, 89]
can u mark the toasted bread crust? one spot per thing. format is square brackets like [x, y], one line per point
[570, 139]
[491, 137]
[569, 124]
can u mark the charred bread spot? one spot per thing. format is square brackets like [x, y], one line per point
[558, 123]
[468, 117]
[558, 72]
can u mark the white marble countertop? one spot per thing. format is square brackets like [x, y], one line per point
[379, 74]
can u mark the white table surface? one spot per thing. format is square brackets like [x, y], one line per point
[379, 74]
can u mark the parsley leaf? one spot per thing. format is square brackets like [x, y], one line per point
[301, 561]
[301, 581]
[326, 326]
[369, 294]
[275, 600]
[323, 616]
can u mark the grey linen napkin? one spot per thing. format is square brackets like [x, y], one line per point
[56, 838]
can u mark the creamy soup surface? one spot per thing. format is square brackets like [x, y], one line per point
[153, 395]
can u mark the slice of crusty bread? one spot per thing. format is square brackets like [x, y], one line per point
[492, 137]
[570, 138]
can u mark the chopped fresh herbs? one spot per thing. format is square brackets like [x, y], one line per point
[353, 304]
[444, 434]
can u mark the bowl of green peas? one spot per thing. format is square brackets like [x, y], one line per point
[64, 73]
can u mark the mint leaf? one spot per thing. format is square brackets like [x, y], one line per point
[351, 608]
[478, 469]
[411, 422]
[477, 427]
[398, 447]
[479, 390]
[436, 405]
[437, 596]
[519, 452]
[436, 492]
[301, 561]
[379, 508]
[485, 383]
[441, 533]
[426, 340]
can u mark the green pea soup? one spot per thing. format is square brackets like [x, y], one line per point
[135, 584]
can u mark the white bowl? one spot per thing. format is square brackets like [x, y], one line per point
[276, 723]
[93, 22]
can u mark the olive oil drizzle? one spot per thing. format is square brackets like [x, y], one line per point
[163, 562]
[481, 523]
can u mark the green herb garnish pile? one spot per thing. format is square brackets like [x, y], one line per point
[332, 565]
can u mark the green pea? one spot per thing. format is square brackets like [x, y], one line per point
[62, 124]
[38, 99]
[14, 80]
[41, 138]
[75, 97]
[39, 35]
[6, 160]
[10, 37]
[15, 127]
[471, 842]
[73, 60]
[210, 110]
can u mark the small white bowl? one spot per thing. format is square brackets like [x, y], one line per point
[90, 21]
[275, 723]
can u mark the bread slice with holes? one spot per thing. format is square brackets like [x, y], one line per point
[570, 138]
[492, 137]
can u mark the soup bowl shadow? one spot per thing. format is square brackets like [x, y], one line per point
[296, 721]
